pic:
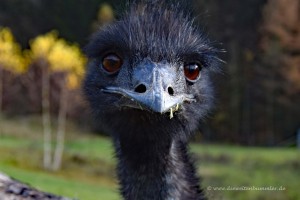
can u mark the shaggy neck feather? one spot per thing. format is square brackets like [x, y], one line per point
[155, 169]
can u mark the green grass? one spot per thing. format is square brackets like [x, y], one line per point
[233, 166]
[88, 165]
[68, 186]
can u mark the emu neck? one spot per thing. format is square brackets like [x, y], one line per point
[155, 166]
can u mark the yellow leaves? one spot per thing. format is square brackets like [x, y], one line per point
[61, 56]
[105, 14]
[73, 81]
[64, 57]
[11, 57]
[42, 45]
[6, 35]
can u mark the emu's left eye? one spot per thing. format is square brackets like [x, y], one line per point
[192, 71]
[112, 63]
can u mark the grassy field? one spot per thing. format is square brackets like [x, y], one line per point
[228, 172]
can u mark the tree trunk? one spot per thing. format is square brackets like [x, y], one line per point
[60, 137]
[1, 98]
[46, 114]
[1, 88]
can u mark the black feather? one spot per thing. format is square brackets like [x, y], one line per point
[152, 148]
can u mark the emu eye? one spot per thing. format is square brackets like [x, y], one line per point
[112, 63]
[192, 71]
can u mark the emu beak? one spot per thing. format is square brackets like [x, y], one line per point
[156, 100]
[154, 88]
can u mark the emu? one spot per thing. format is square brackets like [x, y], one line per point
[149, 84]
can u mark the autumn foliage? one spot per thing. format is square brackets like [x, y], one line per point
[48, 59]
[11, 58]
[60, 57]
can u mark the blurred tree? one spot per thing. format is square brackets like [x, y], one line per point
[39, 51]
[104, 16]
[68, 60]
[281, 49]
[56, 56]
[234, 27]
[11, 58]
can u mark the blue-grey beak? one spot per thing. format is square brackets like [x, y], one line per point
[158, 91]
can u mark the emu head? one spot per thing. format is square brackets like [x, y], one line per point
[151, 67]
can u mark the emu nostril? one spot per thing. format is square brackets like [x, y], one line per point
[141, 88]
[170, 91]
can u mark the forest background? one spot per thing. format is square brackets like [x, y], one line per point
[258, 91]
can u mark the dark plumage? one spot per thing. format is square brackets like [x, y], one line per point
[153, 103]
